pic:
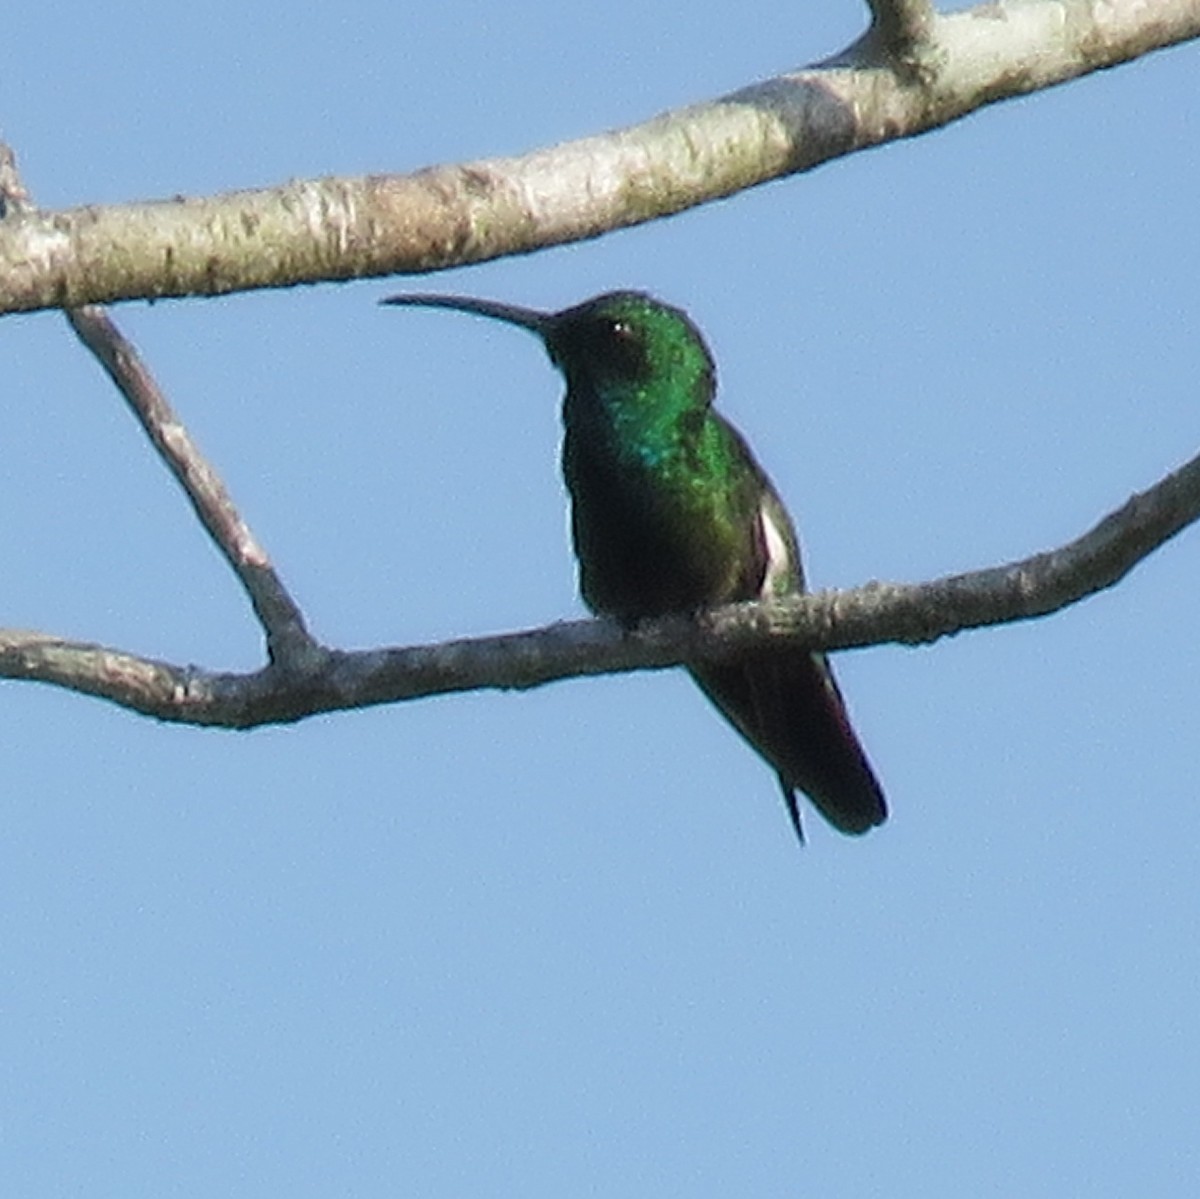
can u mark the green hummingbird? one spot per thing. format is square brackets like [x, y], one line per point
[671, 513]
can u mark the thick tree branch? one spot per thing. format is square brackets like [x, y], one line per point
[327, 680]
[913, 71]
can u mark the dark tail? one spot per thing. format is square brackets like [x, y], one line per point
[788, 706]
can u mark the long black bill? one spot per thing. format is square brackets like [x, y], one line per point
[527, 318]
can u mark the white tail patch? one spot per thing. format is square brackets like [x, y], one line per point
[779, 558]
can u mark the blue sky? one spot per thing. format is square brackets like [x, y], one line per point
[564, 942]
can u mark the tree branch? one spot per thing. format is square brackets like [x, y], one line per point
[328, 680]
[913, 71]
[277, 612]
[282, 621]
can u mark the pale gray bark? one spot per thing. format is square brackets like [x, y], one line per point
[913, 71]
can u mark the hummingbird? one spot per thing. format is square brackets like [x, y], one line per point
[671, 513]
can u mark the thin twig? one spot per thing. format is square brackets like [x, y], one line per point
[288, 640]
[276, 610]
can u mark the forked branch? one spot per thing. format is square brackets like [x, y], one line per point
[288, 640]
[913, 70]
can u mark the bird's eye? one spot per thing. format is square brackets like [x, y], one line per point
[624, 346]
[619, 331]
